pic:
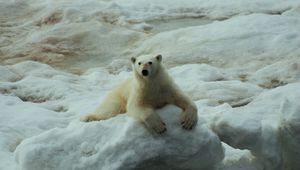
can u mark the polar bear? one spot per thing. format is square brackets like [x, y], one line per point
[150, 88]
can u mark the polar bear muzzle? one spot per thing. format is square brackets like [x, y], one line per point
[145, 72]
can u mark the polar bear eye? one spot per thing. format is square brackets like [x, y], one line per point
[139, 63]
[149, 62]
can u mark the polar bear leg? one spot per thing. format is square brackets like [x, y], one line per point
[155, 122]
[112, 105]
[189, 116]
[149, 117]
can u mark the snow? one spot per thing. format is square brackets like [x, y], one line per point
[258, 126]
[137, 147]
[248, 41]
[238, 60]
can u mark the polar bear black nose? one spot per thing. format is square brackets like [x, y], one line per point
[145, 72]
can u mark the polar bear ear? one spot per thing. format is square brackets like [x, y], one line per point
[132, 59]
[158, 57]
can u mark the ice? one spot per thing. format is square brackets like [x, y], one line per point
[95, 33]
[57, 104]
[258, 126]
[247, 41]
[238, 60]
[289, 131]
[8, 75]
[277, 74]
[236, 159]
[206, 82]
[126, 146]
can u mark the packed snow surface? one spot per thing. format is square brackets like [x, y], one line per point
[238, 60]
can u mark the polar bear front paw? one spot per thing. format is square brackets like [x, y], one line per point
[188, 120]
[90, 117]
[155, 123]
[159, 127]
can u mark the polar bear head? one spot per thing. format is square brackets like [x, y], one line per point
[146, 65]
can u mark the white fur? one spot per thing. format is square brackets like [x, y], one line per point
[141, 95]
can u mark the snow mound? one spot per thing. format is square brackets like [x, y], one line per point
[268, 127]
[122, 143]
